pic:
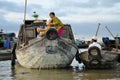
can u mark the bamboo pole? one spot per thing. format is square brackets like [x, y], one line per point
[97, 29]
[110, 32]
[116, 40]
[25, 11]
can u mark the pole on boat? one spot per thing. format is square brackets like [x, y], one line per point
[109, 31]
[13, 55]
[25, 11]
[116, 40]
[97, 29]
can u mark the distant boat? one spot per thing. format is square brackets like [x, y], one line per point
[48, 52]
[6, 45]
[5, 55]
[82, 43]
[111, 43]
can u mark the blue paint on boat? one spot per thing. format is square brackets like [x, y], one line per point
[5, 54]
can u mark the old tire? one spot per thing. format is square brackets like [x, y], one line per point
[94, 52]
[52, 34]
[95, 62]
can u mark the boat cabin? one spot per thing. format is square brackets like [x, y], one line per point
[28, 31]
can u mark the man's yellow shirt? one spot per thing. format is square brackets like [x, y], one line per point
[57, 23]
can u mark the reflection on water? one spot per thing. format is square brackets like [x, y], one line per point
[20, 73]
[28, 74]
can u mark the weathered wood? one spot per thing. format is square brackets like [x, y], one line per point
[42, 52]
[67, 33]
[35, 55]
[109, 59]
[30, 26]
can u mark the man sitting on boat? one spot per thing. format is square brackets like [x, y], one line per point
[94, 43]
[42, 31]
[53, 22]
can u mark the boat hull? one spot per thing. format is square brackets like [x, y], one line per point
[5, 55]
[108, 60]
[44, 54]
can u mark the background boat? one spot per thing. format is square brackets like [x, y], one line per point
[6, 45]
[5, 55]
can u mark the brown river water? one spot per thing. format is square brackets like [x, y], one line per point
[76, 72]
[20, 73]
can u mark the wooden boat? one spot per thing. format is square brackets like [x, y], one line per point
[108, 57]
[96, 59]
[5, 55]
[111, 43]
[82, 43]
[5, 51]
[83, 46]
[50, 51]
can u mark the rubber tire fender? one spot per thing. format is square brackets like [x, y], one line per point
[97, 60]
[98, 55]
[52, 34]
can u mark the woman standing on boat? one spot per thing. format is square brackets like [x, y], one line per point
[56, 23]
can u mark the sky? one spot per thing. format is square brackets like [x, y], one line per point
[83, 15]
